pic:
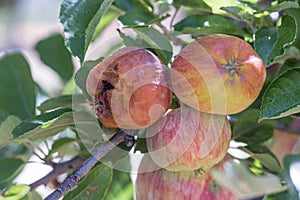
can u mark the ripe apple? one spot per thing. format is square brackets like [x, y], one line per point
[218, 74]
[130, 89]
[186, 139]
[186, 185]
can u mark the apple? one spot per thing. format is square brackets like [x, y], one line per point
[161, 184]
[218, 74]
[186, 139]
[130, 89]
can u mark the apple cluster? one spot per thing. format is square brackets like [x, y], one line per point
[212, 77]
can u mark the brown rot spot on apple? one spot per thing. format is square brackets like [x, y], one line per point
[130, 89]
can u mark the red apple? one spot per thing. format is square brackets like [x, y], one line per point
[186, 139]
[218, 74]
[188, 185]
[130, 89]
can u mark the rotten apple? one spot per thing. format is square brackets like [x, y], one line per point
[218, 74]
[187, 185]
[186, 139]
[130, 89]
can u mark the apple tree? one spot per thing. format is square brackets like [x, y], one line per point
[208, 91]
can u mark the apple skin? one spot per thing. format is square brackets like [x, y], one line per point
[130, 89]
[161, 184]
[186, 139]
[218, 74]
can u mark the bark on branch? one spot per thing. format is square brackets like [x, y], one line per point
[58, 169]
[73, 178]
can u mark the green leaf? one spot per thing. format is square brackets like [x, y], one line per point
[54, 53]
[278, 196]
[44, 117]
[136, 17]
[63, 146]
[236, 12]
[238, 178]
[32, 195]
[66, 101]
[265, 156]
[152, 40]
[270, 42]
[49, 128]
[117, 153]
[282, 97]
[7, 127]
[195, 4]
[15, 151]
[157, 42]
[16, 86]
[134, 5]
[16, 156]
[295, 13]
[291, 168]
[82, 74]
[208, 24]
[28, 125]
[124, 5]
[140, 143]
[130, 41]
[248, 130]
[216, 5]
[80, 19]
[94, 185]
[105, 21]
[9, 167]
[121, 187]
[282, 6]
[265, 40]
[17, 192]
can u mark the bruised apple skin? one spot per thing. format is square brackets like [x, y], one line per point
[218, 74]
[187, 185]
[186, 139]
[130, 89]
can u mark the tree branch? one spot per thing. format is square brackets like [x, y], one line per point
[58, 169]
[73, 179]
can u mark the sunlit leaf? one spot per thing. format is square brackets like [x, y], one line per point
[48, 128]
[7, 127]
[16, 192]
[80, 19]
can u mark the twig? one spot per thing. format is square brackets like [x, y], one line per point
[58, 169]
[73, 178]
